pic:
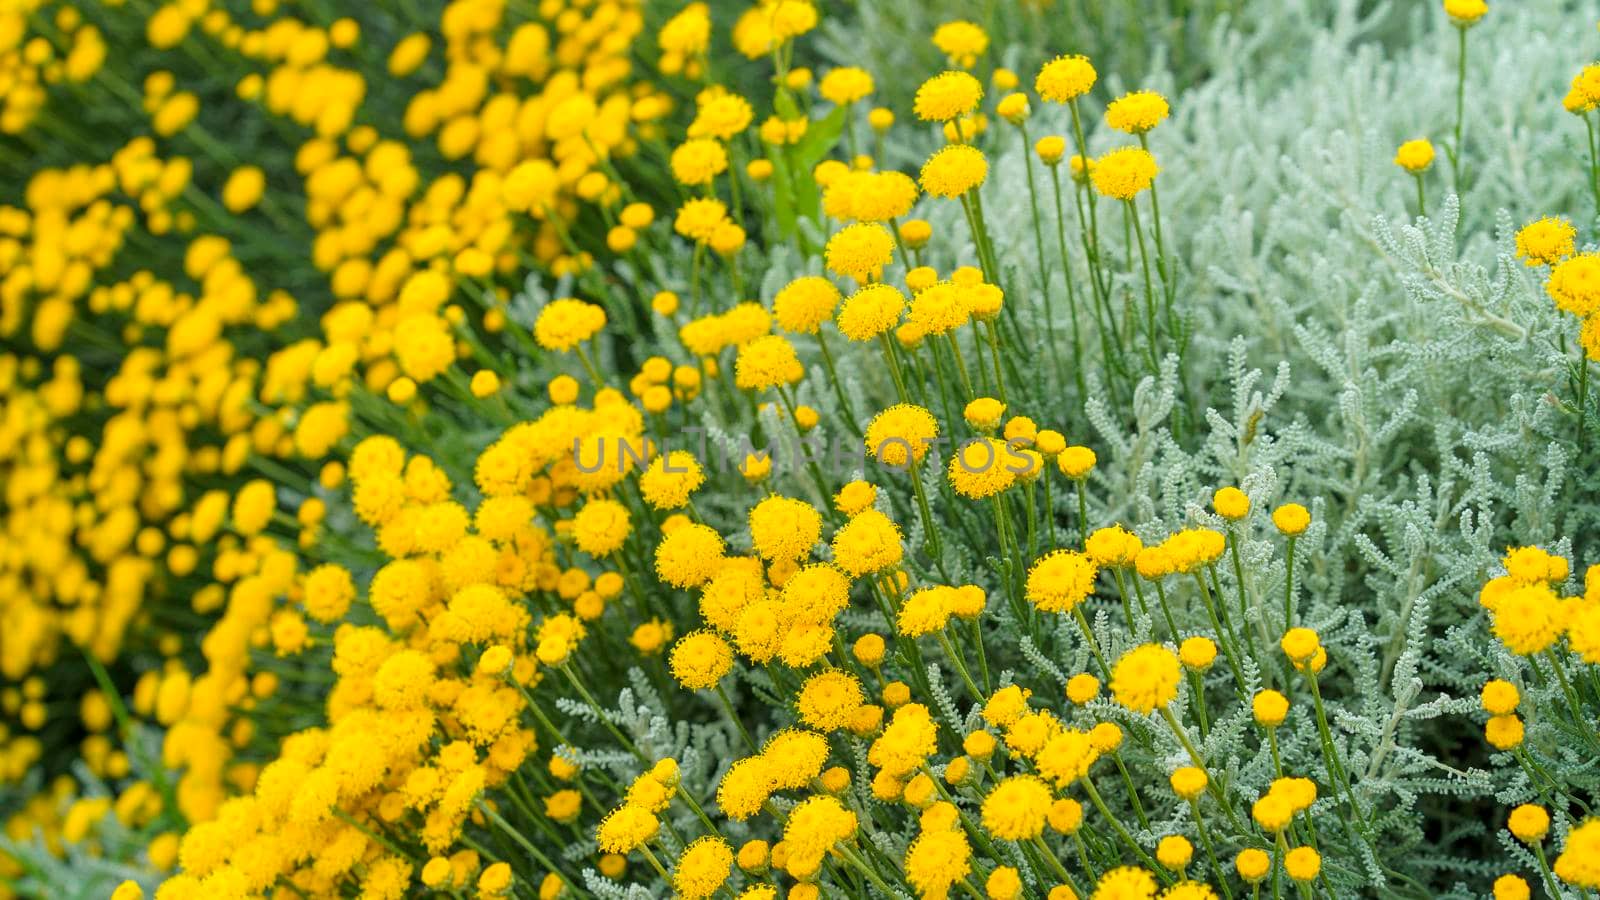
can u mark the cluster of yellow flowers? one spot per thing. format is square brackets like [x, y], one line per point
[352, 546]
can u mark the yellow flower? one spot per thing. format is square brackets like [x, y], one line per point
[804, 304]
[700, 660]
[901, 435]
[937, 860]
[243, 189]
[703, 867]
[961, 42]
[1269, 707]
[1302, 864]
[1015, 808]
[1174, 851]
[1530, 823]
[868, 543]
[698, 161]
[845, 85]
[947, 96]
[1414, 156]
[1252, 864]
[872, 310]
[954, 170]
[1146, 678]
[1545, 242]
[1138, 112]
[860, 251]
[1061, 580]
[1499, 698]
[1291, 519]
[626, 828]
[1123, 173]
[1065, 78]
[782, 528]
[1511, 887]
[982, 468]
[564, 324]
[767, 362]
[1465, 13]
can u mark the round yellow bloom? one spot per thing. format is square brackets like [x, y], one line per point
[871, 311]
[244, 188]
[688, 556]
[783, 528]
[1145, 678]
[1174, 851]
[1065, 78]
[1197, 653]
[1138, 112]
[1231, 503]
[982, 468]
[1252, 864]
[698, 161]
[1189, 782]
[1574, 284]
[1465, 13]
[868, 543]
[626, 828]
[767, 362]
[845, 85]
[1015, 808]
[703, 867]
[1528, 619]
[804, 304]
[1511, 887]
[947, 96]
[1300, 644]
[1503, 732]
[954, 170]
[1061, 580]
[1415, 156]
[1499, 698]
[699, 660]
[828, 700]
[1125, 883]
[937, 860]
[1076, 462]
[1082, 688]
[901, 435]
[1302, 864]
[564, 324]
[1291, 519]
[1270, 708]
[1123, 173]
[670, 479]
[1545, 242]
[1579, 862]
[860, 251]
[1530, 823]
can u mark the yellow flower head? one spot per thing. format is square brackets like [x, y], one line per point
[1545, 242]
[1138, 112]
[954, 170]
[1123, 173]
[1061, 580]
[901, 435]
[1465, 13]
[1146, 678]
[961, 42]
[947, 96]
[1015, 808]
[1415, 156]
[860, 251]
[1065, 78]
